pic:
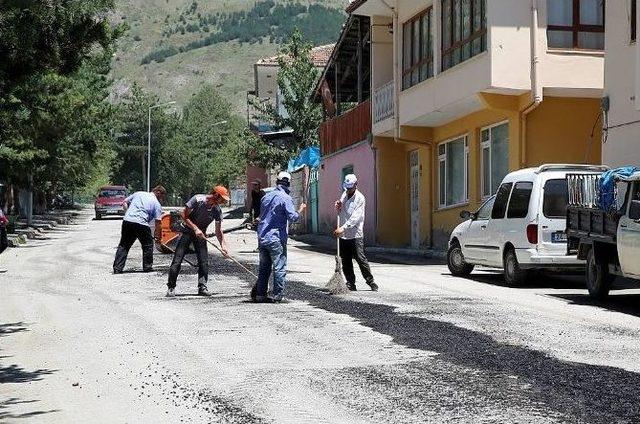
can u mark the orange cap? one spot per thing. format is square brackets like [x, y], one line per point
[222, 192]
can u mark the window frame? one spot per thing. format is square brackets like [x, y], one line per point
[510, 214]
[487, 144]
[485, 203]
[576, 28]
[410, 55]
[442, 158]
[450, 35]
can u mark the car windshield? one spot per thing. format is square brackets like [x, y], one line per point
[556, 198]
[112, 193]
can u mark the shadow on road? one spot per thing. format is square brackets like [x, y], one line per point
[5, 414]
[14, 374]
[618, 302]
[535, 281]
[580, 392]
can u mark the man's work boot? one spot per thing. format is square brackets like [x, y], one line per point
[254, 292]
[147, 269]
[117, 271]
[3, 270]
[352, 286]
[374, 287]
[203, 291]
[171, 292]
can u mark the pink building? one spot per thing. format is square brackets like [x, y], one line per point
[344, 90]
[360, 160]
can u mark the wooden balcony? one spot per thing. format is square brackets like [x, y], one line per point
[346, 130]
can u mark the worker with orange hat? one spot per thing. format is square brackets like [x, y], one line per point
[199, 212]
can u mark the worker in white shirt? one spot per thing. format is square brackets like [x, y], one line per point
[351, 208]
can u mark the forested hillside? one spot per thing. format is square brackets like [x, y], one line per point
[173, 47]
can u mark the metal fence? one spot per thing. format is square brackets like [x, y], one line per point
[383, 102]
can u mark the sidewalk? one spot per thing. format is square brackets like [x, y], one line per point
[327, 244]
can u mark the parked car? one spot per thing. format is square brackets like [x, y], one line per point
[521, 228]
[609, 240]
[110, 201]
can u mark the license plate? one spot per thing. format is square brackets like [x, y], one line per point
[559, 237]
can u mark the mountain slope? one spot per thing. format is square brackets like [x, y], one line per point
[173, 47]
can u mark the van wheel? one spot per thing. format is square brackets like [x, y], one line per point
[513, 274]
[456, 263]
[598, 277]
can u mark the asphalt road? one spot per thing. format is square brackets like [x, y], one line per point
[78, 344]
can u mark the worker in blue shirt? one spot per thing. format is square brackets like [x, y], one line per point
[276, 211]
[143, 208]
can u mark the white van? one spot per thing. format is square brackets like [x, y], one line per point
[522, 227]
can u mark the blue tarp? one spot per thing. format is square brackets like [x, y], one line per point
[607, 189]
[308, 157]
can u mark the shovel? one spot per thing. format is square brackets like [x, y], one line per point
[336, 284]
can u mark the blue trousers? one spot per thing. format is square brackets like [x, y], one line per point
[272, 256]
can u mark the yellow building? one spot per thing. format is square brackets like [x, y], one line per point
[479, 88]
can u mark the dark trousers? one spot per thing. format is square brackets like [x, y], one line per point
[354, 249]
[4, 243]
[182, 247]
[130, 233]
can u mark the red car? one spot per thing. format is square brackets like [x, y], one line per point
[110, 201]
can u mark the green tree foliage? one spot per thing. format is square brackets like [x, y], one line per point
[54, 117]
[297, 77]
[319, 25]
[191, 152]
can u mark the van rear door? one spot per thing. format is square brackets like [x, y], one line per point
[552, 221]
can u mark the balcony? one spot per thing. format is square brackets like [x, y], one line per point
[383, 102]
[346, 130]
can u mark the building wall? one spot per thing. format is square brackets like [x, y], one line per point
[553, 136]
[362, 157]
[622, 145]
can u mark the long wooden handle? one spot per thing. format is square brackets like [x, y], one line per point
[237, 263]
[338, 237]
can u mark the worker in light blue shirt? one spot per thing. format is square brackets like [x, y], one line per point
[276, 212]
[142, 209]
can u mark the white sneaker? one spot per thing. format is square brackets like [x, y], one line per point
[171, 293]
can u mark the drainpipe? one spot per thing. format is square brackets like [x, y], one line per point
[536, 88]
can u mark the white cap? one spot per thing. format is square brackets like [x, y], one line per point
[284, 175]
[350, 180]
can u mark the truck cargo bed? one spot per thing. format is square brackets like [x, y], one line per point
[592, 223]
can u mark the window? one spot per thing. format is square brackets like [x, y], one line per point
[556, 198]
[495, 157]
[453, 158]
[502, 197]
[575, 24]
[634, 209]
[418, 49]
[484, 212]
[634, 20]
[346, 170]
[519, 203]
[464, 30]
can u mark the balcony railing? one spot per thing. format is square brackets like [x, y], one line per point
[345, 130]
[383, 102]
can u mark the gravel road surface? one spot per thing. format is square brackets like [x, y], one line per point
[79, 344]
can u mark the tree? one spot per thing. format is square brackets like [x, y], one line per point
[297, 77]
[53, 109]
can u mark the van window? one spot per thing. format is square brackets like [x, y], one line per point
[519, 203]
[556, 198]
[502, 197]
[485, 210]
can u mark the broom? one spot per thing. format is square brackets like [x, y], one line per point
[336, 284]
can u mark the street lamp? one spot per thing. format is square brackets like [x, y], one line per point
[149, 143]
